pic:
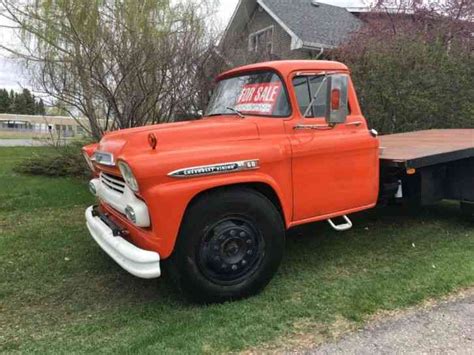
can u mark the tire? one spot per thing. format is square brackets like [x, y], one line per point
[230, 245]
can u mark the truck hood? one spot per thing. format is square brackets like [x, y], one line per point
[179, 135]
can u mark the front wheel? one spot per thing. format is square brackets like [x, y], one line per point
[230, 245]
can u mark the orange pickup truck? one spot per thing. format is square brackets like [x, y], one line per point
[281, 144]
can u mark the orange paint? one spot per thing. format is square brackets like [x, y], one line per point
[315, 174]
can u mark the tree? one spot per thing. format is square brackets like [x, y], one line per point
[413, 65]
[13, 108]
[58, 108]
[26, 103]
[39, 108]
[23, 103]
[119, 63]
[4, 101]
[20, 104]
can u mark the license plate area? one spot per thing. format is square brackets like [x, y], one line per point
[117, 231]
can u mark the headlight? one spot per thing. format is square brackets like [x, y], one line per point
[88, 160]
[128, 176]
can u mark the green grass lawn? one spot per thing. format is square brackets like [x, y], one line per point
[60, 293]
[18, 135]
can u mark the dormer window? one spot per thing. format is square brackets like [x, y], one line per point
[261, 41]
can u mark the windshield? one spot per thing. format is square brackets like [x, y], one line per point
[260, 94]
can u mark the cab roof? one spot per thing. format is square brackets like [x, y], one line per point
[285, 67]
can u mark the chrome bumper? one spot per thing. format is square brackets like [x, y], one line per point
[139, 262]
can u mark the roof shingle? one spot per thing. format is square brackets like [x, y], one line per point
[319, 26]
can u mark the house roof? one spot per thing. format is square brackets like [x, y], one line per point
[322, 26]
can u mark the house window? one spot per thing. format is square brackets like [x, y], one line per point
[261, 40]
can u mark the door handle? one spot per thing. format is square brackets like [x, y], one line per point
[355, 123]
[312, 127]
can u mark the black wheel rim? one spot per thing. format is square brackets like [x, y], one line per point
[230, 251]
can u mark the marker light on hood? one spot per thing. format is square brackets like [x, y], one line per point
[152, 141]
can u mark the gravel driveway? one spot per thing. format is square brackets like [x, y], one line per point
[447, 328]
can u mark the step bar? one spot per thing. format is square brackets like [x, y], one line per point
[341, 227]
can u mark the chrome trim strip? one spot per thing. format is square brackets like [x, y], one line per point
[355, 123]
[98, 161]
[213, 169]
[112, 179]
[112, 183]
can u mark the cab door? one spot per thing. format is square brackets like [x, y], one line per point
[334, 169]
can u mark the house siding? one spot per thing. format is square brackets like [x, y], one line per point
[260, 20]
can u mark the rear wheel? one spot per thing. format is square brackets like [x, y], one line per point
[230, 245]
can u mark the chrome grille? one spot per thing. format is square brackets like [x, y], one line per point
[112, 182]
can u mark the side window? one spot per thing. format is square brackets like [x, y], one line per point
[319, 105]
[305, 88]
[300, 84]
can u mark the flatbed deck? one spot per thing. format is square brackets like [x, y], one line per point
[425, 148]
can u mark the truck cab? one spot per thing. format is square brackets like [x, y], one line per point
[281, 144]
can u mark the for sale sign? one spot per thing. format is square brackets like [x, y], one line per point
[258, 99]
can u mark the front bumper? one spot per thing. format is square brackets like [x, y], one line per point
[139, 262]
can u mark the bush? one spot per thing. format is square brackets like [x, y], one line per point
[413, 85]
[61, 161]
[409, 81]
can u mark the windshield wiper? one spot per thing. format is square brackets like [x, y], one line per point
[241, 115]
[237, 112]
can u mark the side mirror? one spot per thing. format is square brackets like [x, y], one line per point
[336, 100]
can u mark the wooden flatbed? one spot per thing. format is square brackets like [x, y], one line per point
[426, 148]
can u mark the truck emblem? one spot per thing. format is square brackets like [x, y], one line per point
[221, 168]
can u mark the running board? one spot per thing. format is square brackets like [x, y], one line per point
[341, 227]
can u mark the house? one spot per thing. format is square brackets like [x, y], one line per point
[286, 29]
[13, 125]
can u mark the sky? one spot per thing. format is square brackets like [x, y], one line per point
[226, 9]
[9, 77]
[10, 74]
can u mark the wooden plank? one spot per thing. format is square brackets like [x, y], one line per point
[423, 148]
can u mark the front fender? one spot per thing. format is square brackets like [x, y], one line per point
[168, 202]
